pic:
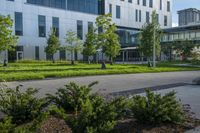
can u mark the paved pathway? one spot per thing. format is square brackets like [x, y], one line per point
[114, 83]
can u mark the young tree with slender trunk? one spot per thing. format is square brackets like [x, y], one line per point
[7, 40]
[150, 37]
[53, 44]
[108, 39]
[73, 44]
[89, 47]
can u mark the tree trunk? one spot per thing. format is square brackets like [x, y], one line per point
[111, 61]
[53, 60]
[72, 58]
[103, 65]
[88, 59]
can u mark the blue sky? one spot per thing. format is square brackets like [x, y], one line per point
[181, 4]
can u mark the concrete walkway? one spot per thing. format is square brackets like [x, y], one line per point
[113, 83]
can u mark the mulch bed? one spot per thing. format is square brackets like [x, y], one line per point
[54, 125]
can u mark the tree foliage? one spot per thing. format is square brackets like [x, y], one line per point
[147, 37]
[53, 43]
[73, 44]
[108, 40]
[7, 39]
[184, 48]
[90, 44]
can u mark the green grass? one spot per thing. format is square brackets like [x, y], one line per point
[41, 70]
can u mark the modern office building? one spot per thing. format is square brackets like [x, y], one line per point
[188, 29]
[33, 20]
[189, 16]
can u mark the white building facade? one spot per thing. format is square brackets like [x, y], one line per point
[33, 20]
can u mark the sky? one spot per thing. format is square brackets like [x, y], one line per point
[182, 4]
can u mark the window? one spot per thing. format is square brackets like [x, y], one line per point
[144, 2]
[62, 54]
[130, 1]
[80, 29]
[138, 2]
[18, 24]
[42, 26]
[151, 3]
[147, 17]
[90, 26]
[87, 6]
[136, 15]
[160, 4]
[140, 16]
[49, 3]
[55, 25]
[118, 12]
[37, 53]
[157, 17]
[110, 8]
[165, 20]
[168, 6]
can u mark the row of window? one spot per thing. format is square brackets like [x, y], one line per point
[86, 6]
[42, 25]
[138, 15]
[144, 3]
[181, 35]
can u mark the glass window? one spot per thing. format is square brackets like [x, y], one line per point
[18, 24]
[147, 17]
[49, 3]
[80, 29]
[42, 26]
[160, 4]
[55, 25]
[140, 16]
[151, 3]
[138, 2]
[37, 53]
[168, 6]
[165, 20]
[136, 15]
[87, 6]
[90, 26]
[144, 2]
[110, 8]
[118, 12]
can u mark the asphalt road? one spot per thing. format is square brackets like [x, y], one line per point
[113, 83]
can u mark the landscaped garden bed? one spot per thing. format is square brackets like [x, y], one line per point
[74, 108]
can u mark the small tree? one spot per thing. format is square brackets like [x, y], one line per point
[53, 44]
[7, 39]
[73, 44]
[108, 39]
[184, 48]
[151, 33]
[112, 46]
[89, 47]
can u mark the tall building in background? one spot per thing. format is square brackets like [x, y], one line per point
[189, 16]
[33, 20]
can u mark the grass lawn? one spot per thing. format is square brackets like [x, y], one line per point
[42, 70]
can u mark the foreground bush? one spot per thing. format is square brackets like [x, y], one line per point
[71, 97]
[157, 109]
[21, 106]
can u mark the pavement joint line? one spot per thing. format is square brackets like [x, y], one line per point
[142, 90]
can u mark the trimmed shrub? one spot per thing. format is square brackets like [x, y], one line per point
[96, 116]
[157, 109]
[21, 106]
[71, 97]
